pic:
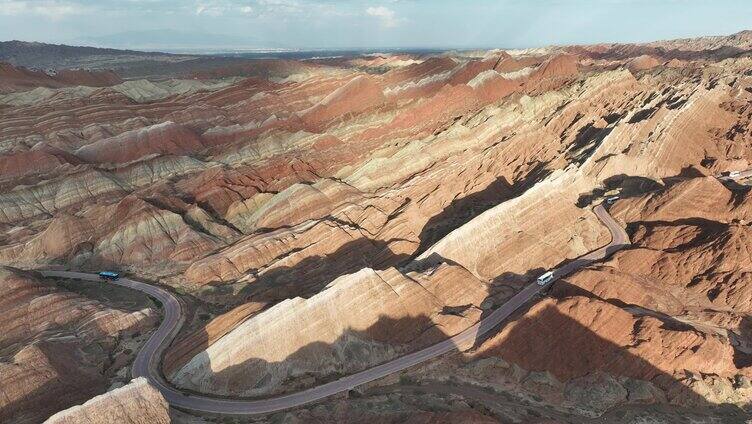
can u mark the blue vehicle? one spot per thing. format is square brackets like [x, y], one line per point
[109, 275]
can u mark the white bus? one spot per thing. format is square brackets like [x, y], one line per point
[545, 278]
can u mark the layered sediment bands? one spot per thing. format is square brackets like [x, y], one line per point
[55, 346]
[596, 330]
[672, 310]
[194, 343]
[160, 139]
[149, 234]
[357, 96]
[138, 402]
[18, 78]
[146, 235]
[524, 230]
[50, 197]
[261, 192]
[33, 306]
[358, 319]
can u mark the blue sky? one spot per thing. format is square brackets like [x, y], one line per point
[367, 23]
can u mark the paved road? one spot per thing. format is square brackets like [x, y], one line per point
[742, 175]
[147, 360]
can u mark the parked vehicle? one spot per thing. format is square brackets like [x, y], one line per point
[734, 174]
[611, 200]
[109, 275]
[545, 278]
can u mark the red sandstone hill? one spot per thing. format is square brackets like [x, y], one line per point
[161, 139]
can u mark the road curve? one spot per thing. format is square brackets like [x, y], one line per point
[147, 361]
[742, 175]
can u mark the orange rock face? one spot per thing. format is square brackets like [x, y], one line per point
[162, 139]
[669, 310]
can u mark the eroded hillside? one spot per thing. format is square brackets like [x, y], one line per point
[336, 214]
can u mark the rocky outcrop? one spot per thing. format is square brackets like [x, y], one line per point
[681, 290]
[59, 346]
[138, 402]
[45, 377]
[357, 96]
[357, 321]
[164, 138]
[649, 351]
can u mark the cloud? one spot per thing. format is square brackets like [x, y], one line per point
[386, 16]
[51, 9]
[208, 10]
[280, 6]
[216, 8]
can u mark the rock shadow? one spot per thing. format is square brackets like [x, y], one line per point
[313, 273]
[709, 230]
[628, 186]
[463, 210]
[743, 347]
[577, 357]
[74, 382]
[319, 362]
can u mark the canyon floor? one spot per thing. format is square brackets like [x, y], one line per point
[316, 218]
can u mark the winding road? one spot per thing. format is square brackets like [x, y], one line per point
[148, 359]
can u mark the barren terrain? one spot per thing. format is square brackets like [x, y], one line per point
[317, 218]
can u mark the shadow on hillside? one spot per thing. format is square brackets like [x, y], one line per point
[463, 210]
[743, 354]
[629, 186]
[313, 273]
[548, 341]
[708, 231]
[554, 342]
[320, 362]
[586, 141]
[74, 382]
[460, 211]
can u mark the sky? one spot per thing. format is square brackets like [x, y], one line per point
[367, 24]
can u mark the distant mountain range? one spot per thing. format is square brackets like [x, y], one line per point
[179, 41]
[43, 55]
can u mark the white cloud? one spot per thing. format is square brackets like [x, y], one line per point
[216, 8]
[51, 9]
[386, 16]
[281, 6]
[208, 10]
